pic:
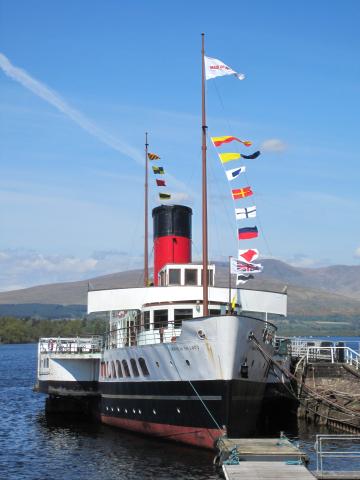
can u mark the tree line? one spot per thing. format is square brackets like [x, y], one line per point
[29, 330]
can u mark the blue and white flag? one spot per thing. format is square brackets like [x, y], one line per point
[244, 213]
[234, 172]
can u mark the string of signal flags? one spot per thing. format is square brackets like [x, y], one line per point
[243, 267]
[159, 181]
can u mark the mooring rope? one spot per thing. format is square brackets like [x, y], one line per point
[309, 390]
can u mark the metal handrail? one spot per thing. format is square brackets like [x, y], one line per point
[83, 344]
[332, 354]
[138, 334]
[321, 439]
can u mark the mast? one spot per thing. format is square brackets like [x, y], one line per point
[204, 189]
[146, 253]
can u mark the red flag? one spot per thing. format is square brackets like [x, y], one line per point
[241, 192]
[248, 255]
[160, 183]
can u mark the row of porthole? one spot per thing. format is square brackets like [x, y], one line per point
[134, 411]
[108, 369]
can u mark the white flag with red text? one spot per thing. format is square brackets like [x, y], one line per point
[216, 68]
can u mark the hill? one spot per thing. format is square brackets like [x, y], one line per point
[320, 292]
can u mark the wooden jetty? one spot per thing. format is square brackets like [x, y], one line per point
[262, 458]
[260, 449]
[254, 470]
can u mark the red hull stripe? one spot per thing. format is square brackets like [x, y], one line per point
[199, 437]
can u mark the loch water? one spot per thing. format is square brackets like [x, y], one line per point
[34, 447]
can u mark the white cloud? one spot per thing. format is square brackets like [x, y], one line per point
[304, 261]
[357, 252]
[180, 197]
[24, 268]
[273, 145]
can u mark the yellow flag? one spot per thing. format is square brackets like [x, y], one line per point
[227, 157]
[233, 302]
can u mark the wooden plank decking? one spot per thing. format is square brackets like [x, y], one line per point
[263, 449]
[255, 470]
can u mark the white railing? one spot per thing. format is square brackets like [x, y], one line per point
[324, 450]
[333, 355]
[84, 344]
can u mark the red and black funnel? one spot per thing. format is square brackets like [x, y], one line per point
[172, 236]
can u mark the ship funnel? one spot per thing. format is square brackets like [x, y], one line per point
[172, 236]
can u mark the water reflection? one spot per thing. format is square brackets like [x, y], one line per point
[34, 446]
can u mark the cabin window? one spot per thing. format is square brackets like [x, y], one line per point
[181, 314]
[126, 368]
[113, 370]
[214, 312]
[160, 319]
[146, 317]
[210, 278]
[134, 367]
[108, 371]
[143, 367]
[174, 276]
[119, 371]
[102, 369]
[190, 276]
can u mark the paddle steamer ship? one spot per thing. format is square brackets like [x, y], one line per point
[181, 361]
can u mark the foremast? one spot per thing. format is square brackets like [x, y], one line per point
[204, 188]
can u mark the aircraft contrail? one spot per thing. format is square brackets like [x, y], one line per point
[52, 97]
[55, 99]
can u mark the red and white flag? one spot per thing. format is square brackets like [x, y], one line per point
[248, 255]
[216, 68]
[238, 266]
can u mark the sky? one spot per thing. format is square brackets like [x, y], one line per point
[81, 82]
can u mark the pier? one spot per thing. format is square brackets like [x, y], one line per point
[276, 459]
[328, 381]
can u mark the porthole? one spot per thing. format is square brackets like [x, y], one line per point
[154, 411]
[118, 409]
[143, 367]
[171, 363]
[125, 410]
[139, 411]
[107, 408]
[178, 410]
[134, 411]
[134, 367]
[112, 409]
[157, 364]
[201, 334]
[187, 363]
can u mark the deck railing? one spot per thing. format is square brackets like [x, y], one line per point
[138, 335]
[83, 344]
[333, 355]
[327, 447]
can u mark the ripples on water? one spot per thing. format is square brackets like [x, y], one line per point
[33, 447]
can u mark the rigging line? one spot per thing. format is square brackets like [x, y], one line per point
[310, 391]
[291, 392]
[216, 179]
[217, 229]
[201, 400]
[267, 245]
